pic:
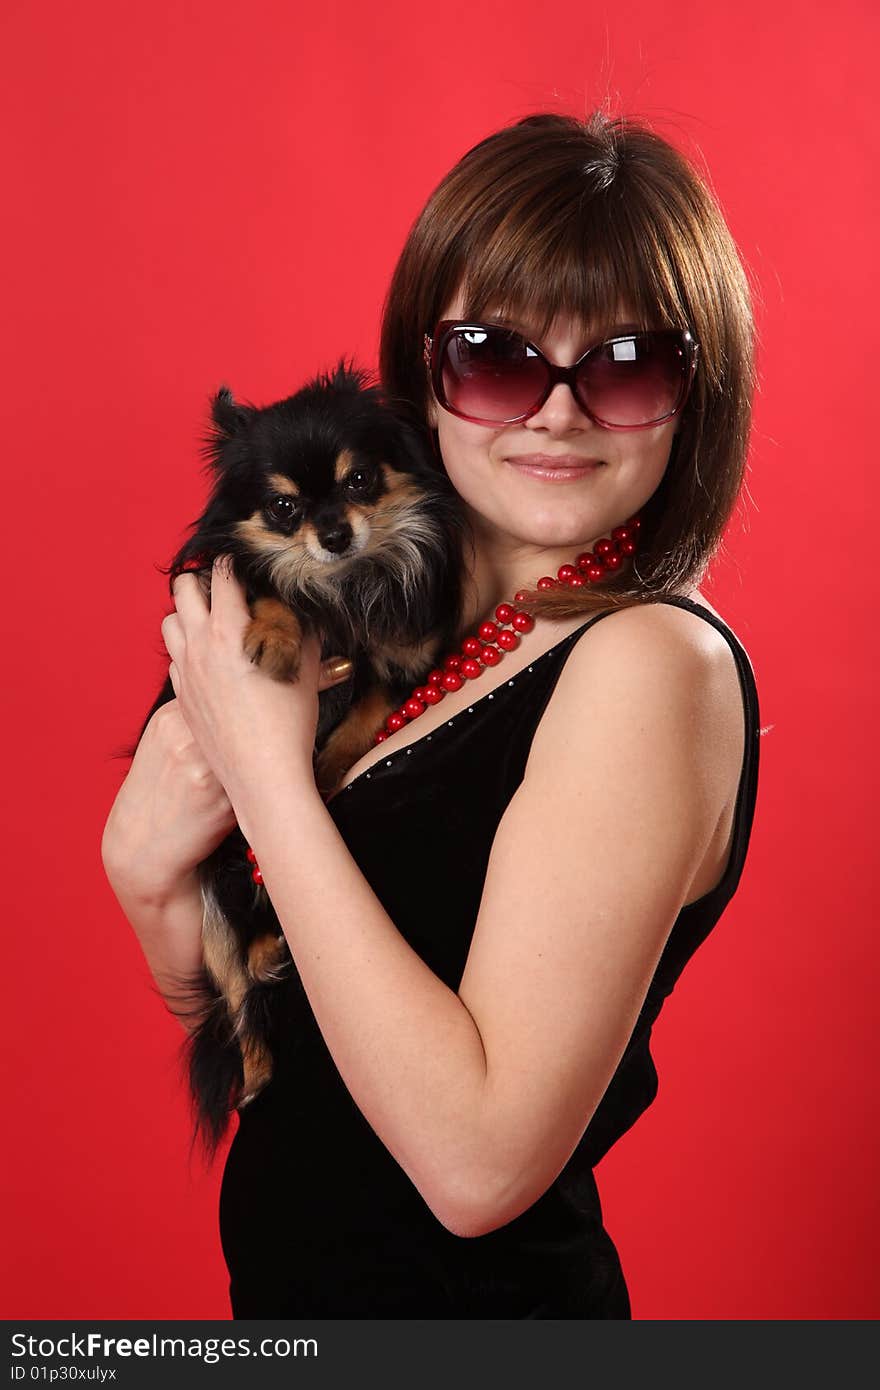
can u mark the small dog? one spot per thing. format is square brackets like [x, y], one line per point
[337, 521]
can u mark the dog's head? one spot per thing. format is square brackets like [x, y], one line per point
[323, 490]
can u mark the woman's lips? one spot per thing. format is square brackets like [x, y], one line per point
[565, 469]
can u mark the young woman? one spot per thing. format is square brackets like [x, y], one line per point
[487, 915]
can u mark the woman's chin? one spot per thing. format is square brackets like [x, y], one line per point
[543, 526]
[555, 532]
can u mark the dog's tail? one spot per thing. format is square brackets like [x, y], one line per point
[215, 1072]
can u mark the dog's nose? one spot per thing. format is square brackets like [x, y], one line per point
[337, 538]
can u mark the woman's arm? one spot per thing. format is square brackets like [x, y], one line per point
[482, 1096]
[168, 928]
[168, 815]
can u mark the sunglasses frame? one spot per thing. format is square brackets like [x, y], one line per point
[435, 344]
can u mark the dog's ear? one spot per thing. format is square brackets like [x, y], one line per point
[228, 415]
[230, 420]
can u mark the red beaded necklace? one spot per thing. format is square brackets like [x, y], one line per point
[494, 638]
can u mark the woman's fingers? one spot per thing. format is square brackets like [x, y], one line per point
[172, 634]
[334, 671]
[228, 602]
[189, 600]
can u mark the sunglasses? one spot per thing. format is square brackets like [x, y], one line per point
[491, 375]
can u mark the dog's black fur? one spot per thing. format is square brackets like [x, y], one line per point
[338, 521]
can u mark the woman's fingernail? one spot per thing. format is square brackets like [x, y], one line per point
[339, 667]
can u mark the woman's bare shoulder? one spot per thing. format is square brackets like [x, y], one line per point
[660, 631]
[658, 670]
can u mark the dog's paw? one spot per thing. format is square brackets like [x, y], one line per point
[257, 1065]
[267, 958]
[276, 650]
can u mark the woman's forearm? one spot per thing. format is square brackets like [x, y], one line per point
[168, 927]
[406, 1047]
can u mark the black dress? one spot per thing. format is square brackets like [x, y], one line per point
[317, 1219]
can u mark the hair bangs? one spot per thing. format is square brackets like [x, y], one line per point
[583, 265]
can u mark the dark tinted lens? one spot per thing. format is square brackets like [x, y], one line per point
[635, 381]
[491, 374]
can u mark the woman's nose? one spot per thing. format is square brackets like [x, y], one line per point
[560, 412]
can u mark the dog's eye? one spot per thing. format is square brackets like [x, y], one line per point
[360, 480]
[283, 508]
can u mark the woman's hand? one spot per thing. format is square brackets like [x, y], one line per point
[248, 725]
[169, 813]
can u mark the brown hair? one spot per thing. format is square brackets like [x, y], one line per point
[557, 215]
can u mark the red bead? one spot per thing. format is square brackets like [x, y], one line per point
[251, 857]
[256, 875]
[478, 652]
[523, 622]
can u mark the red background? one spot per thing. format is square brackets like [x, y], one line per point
[215, 192]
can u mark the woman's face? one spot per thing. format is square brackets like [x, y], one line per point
[503, 500]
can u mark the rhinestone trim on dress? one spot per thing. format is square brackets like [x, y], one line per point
[367, 776]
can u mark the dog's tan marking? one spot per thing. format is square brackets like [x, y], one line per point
[399, 483]
[220, 951]
[288, 564]
[257, 536]
[390, 513]
[414, 660]
[257, 1072]
[283, 484]
[351, 739]
[267, 957]
[342, 464]
[273, 639]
